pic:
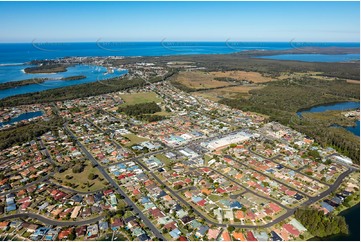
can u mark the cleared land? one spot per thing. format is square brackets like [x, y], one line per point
[199, 80]
[143, 97]
[80, 180]
[134, 139]
[353, 82]
[228, 92]
[255, 77]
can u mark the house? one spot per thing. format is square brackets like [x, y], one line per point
[75, 212]
[92, 231]
[275, 236]
[182, 238]
[30, 227]
[25, 205]
[202, 230]
[261, 236]
[175, 233]
[116, 223]
[77, 198]
[238, 236]
[291, 229]
[236, 204]
[186, 219]
[103, 225]
[298, 225]
[250, 236]
[129, 219]
[39, 233]
[108, 192]
[213, 234]
[4, 225]
[80, 231]
[51, 235]
[143, 237]
[327, 206]
[156, 213]
[11, 207]
[275, 207]
[225, 236]
[65, 234]
[16, 224]
[170, 226]
[43, 206]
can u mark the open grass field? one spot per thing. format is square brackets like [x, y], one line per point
[255, 77]
[162, 113]
[199, 80]
[81, 179]
[228, 92]
[134, 139]
[142, 97]
[353, 82]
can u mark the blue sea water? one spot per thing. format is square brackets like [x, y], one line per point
[15, 73]
[23, 116]
[23, 52]
[355, 129]
[315, 57]
[334, 106]
[13, 57]
[338, 107]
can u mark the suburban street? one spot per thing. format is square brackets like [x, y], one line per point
[146, 221]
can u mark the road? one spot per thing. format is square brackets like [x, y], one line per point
[68, 189]
[145, 220]
[44, 178]
[48, 221]
[273, 159]
[270, 177]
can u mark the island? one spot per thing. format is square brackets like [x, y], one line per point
[54, 68]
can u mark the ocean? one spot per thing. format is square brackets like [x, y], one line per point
[24, 52]
[14, 57]
[314, 57]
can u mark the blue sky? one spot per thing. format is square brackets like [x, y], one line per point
[179, 21]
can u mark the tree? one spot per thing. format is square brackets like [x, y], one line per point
[78, 168]
[91, 176]
[72, 236]
[231, 229]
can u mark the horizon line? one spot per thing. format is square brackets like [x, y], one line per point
[178, 41]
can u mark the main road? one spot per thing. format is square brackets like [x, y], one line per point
[48, 221]
[144, 218]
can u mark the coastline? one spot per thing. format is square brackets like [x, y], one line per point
[347, 213]
[324, 104]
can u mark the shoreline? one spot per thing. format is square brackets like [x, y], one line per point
[340, 213]
[301, 110]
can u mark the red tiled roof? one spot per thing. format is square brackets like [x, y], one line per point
[250, 236]
[292, 230]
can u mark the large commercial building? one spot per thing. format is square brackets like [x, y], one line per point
[230, 139]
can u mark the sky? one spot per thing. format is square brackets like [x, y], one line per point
[179, 21]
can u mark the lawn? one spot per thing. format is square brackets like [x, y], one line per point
[164, 159]
[80, 179]
[162, 113]
[214, 198]
[128, 214]
[142, 97]
[134, 139]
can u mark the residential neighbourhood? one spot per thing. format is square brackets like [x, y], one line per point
[202, 172]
